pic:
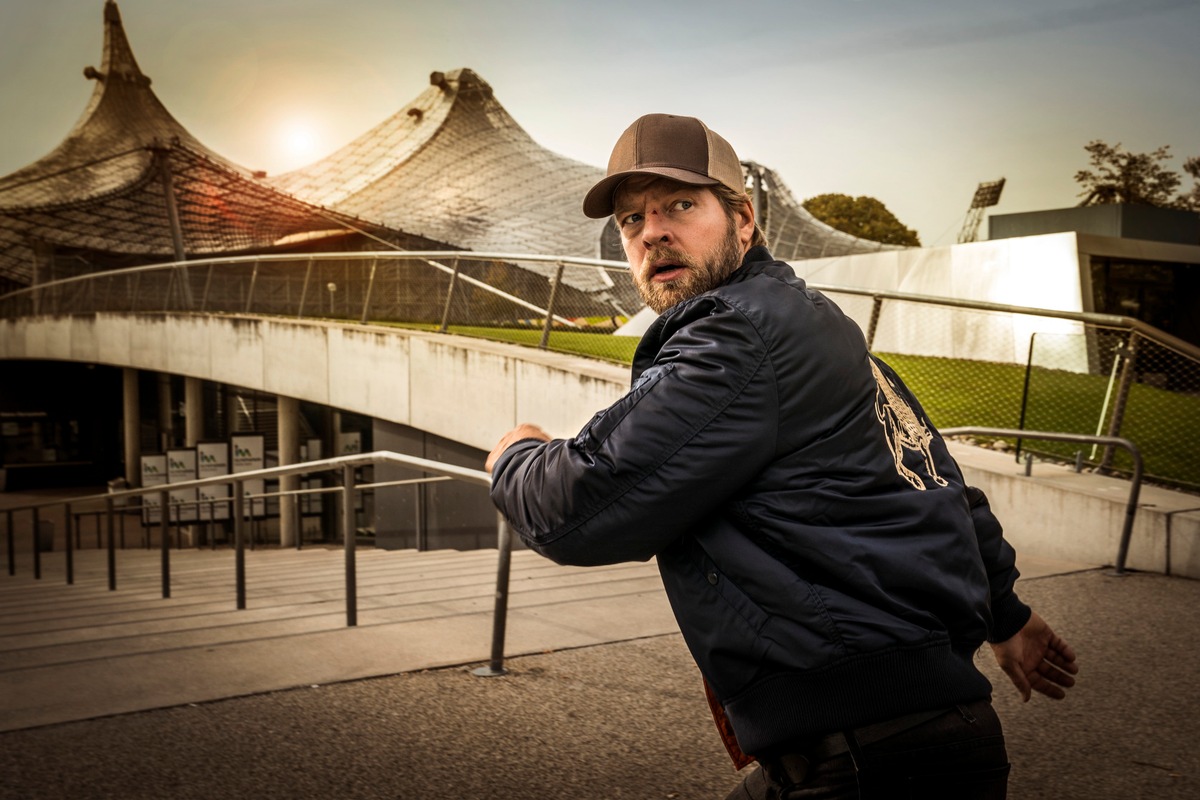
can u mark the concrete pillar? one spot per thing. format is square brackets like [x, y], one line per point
[193, 404]
[131, 422]
[166, 420]
[289, 453]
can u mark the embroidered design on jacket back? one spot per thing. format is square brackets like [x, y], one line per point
[903, 431]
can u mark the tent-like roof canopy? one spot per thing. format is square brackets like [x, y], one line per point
[129, 184]
[455, 166]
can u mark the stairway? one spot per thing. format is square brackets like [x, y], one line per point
[78, 651]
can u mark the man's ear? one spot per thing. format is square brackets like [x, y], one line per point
[744, 220]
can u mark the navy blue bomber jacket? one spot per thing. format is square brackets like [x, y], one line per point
[826, 563]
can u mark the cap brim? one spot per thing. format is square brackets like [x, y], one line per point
[598, 202]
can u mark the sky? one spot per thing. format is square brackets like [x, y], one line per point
[913, 102]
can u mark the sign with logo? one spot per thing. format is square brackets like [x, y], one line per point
[154, 473]
[349, 443]
[212, 460]
[181, 466]
[249, 453]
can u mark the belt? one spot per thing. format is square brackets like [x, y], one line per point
[795, 765]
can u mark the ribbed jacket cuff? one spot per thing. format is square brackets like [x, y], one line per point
[1009, 615]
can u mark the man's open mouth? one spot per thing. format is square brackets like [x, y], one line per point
[665, 272]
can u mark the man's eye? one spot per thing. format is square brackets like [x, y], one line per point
[631, 219]
[683, 205]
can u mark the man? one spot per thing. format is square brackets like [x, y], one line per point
[830, 571]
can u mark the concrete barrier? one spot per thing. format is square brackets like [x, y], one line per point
[1058, 513]
[472, 391]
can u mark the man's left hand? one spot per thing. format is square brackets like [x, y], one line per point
[1037, 659]
[522, 431]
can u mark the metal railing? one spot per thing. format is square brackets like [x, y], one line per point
[970, 362]
[1135, 484]
[345, 465]
[527, 298]
[1003, 366]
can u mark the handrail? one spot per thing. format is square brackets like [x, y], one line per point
[1055, 436]
[346, 464]
[1111, 320]
[1091, 317]
[349, 255]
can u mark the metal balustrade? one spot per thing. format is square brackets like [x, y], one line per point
[970, 362]
[344, 465]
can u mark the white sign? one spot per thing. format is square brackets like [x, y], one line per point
[154, 473]
[181, 466]
[249, 454]
[212, 460]
[349, 443]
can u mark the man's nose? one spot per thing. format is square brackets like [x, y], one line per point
[655, 230]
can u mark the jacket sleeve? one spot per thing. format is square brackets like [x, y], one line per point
[696, 426]
[1009, 614]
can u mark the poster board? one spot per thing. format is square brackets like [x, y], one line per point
[249, 454]
[181, 466]
[154, 473]
[212, 460]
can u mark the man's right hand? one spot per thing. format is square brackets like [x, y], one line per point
[522, 431]
[1037, 659]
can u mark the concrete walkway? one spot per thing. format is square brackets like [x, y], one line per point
[82, 651]
[128, 695]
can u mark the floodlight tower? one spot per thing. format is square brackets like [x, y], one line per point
[988, 194]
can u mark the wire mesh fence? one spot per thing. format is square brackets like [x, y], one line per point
[970, 364]
[1017, 369]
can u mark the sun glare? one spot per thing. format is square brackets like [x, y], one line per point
[299, 142]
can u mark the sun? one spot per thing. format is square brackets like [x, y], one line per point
[299, 141]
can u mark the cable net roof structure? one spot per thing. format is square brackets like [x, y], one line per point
[793, 233]
[451, 170]
[455, 166]
[129, 184]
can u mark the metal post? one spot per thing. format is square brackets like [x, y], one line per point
[1130, 508]
[550, 307]
[112, 549]
[370, 287]
[350, 542]
[177, 273]
[239, 543]
[449, 296]
[70, 544]
[500, 613]
[873, 325]
[37, 549]
[1025, 394]
[207, 286]
[165, 508]
[250, 291]
[304, 289]
[12, 550]
[1122, 399]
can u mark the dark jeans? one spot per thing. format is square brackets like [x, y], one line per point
[959, 755]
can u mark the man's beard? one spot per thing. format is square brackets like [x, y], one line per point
[699, 276]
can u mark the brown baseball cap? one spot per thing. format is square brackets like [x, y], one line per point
[680, 148]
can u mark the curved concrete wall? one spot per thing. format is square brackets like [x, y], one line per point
[472, 391]
[467, 390]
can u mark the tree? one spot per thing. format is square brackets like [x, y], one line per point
[1191, 200]
[864, 217]
[1123, 177]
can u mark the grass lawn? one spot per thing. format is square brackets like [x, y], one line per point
[1164, 425]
